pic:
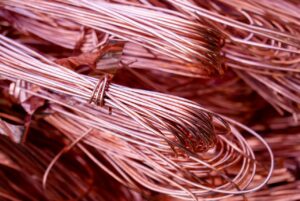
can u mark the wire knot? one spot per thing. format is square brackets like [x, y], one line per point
[98, 93]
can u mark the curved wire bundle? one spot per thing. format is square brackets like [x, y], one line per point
[135, 56]
[208, 11]
[272, 72]
[166, 118]
[153, 141]
[159, 30]
[262, 45]
[228, 95]
[225, 170]
[269, 64]
[157, 127]
[88, 40]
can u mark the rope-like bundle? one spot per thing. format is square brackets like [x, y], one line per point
[263, 45]
[262, 49]
[159, 30]
[178, 176]
[163, 136]
[87, 67]
[166, 118]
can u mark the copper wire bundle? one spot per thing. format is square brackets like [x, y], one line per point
[271, 78]
[144, 154]
[158, 170]
[120, 107]
[270, 63]
[138, 57]
[208, 11]
[116, 97]
[121, 81]
[262, 48]
[163, 31]
[227, 95]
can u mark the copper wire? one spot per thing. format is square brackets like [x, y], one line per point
[22, 167]
[211, 166]
[178, 38]
[192, 165]
[227, 95]
[196, 9]
[262, 66]
[158, 118]
[98, 92]
[262, 45]
[188, 43]
[284, 180]
[72, 35]
[154, 142]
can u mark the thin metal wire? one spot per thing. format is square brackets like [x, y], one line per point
[166, 33]
[22, 167]
[160, 142]
[174, 120]
[98, 93]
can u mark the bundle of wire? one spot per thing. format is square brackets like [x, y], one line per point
[149, 100]
[164, 137]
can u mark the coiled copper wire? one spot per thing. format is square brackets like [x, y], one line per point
[152, 111]
[174, 173]
[262, 48]
[163, 31]
[263, 44]
[269, 44]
